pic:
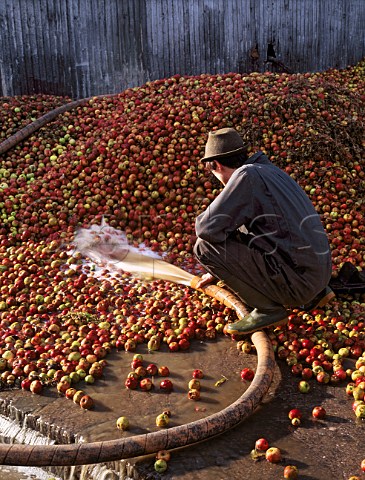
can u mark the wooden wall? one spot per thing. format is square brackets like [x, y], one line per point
[89, 47]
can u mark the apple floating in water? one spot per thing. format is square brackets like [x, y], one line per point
[122, 423]
[247, 374]
[86, 402]
[166, 385]
[162, 420]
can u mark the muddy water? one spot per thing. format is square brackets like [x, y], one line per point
[322, 450]
[59, 418]
[113, 399]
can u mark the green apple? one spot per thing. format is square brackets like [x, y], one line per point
[303, 386]
[81, 373]
[51, 372]
[162, 420]
[75, 377]
[123, 423]
[160, 466]
[74, 356]
[89, 379]
[360, 411]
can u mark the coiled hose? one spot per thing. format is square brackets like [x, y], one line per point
[165, 439]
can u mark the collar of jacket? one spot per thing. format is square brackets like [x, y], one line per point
[258, 157]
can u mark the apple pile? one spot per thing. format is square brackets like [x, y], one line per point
[18, 112]
[133, 159]
[355, 388]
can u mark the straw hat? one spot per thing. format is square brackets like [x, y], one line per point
[223, 143]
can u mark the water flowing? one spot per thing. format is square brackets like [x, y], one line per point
[108, 246]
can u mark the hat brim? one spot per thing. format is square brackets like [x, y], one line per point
[223, 155]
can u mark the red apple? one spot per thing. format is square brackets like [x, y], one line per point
[291, 472]
[146, 384]
[62, 386]
[197, 373]
[323, 377]
[261, 444]
[70, 392]
[247, 374]
[166, 385]
[340, 374]
[273, 455]
[184, 344]
[36, 386]
[319, 412]
[295, 413]
[297, 369]
[25, 384]
[163, 371]
[152, 369]
[131, 383]
[174, 346]
[86, 402]
[307, 373]
[357, 403]
[163, 455]
[136, 363]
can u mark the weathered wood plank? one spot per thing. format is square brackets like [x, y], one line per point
[91, 47]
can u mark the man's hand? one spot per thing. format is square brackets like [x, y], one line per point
[205, 280]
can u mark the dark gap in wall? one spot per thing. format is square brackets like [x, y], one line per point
[270, 51]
